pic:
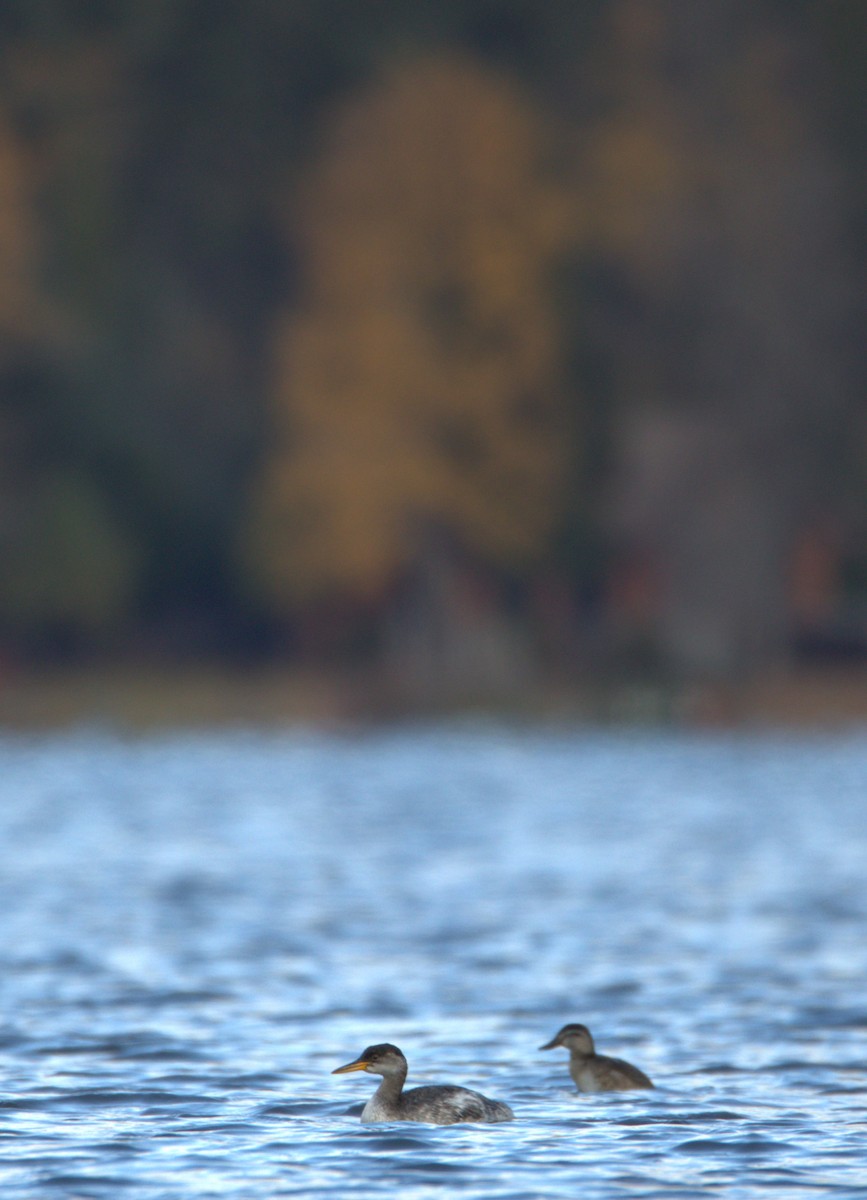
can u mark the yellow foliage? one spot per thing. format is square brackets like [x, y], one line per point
[419, 379]
[673, 160]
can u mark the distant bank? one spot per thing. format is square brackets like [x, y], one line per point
[138, 700]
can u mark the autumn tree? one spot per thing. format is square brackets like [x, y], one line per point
[718, 219]
[417, 384]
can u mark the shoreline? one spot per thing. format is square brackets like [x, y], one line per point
[206, 696]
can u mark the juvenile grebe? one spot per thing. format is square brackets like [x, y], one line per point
[594, 1072]
[440, 1104]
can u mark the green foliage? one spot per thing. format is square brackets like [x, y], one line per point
[67, 565]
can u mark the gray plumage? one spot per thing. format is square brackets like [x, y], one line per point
[594, 1072]
[439, 1104]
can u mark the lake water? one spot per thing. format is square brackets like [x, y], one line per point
[195, 929]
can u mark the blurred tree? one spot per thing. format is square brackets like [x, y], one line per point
[18, 244]
[159, 135]
[67, 567]
[418, 386]
[719, 213]
[68, 570]
[159, 266]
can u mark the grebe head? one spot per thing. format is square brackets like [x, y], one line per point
[576, 1039]
[383, 1059]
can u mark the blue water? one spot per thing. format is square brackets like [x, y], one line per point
[196, 929]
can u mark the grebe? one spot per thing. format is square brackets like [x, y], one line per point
[594, 1072]
[441, 1104]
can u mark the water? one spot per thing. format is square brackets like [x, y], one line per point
[196, 929]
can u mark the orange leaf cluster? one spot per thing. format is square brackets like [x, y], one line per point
[419, 380]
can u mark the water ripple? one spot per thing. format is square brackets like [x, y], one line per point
[197, 929]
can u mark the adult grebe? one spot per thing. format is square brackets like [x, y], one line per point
[441, 1104]
[594, 1072]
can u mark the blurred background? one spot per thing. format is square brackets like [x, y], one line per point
[383, 356]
